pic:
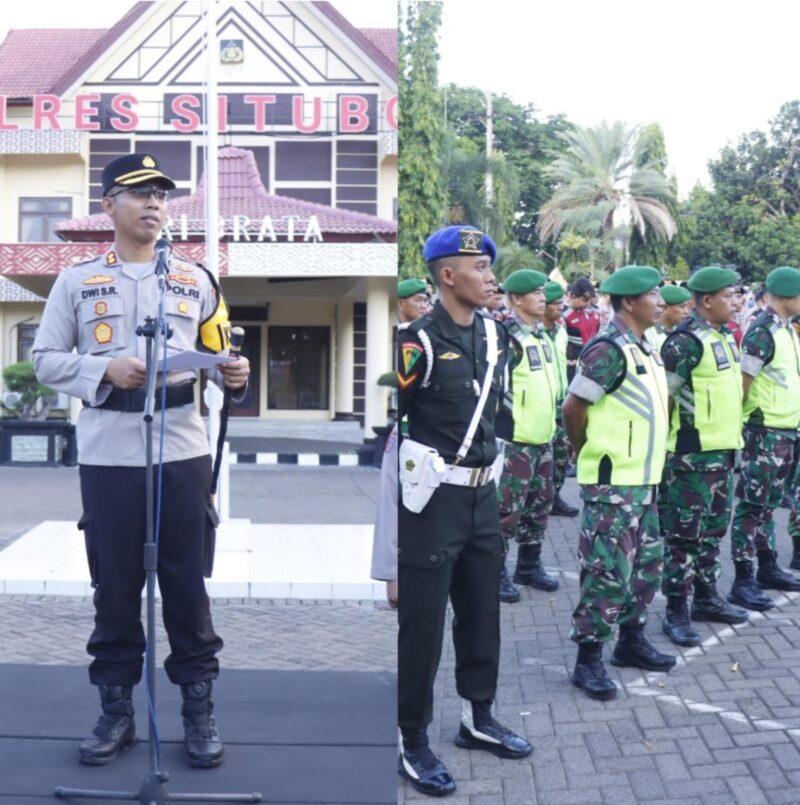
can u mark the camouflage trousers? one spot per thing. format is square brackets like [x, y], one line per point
[766, 461]
[794, 512]
[694, 509]
[560, 457]
[525, 493]
[620, 552]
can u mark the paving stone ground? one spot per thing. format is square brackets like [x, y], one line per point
[723, 728]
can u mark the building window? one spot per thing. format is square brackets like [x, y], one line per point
[299, 368]
[38, 217]
[26, 333]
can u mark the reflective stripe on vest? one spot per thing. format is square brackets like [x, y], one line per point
[714, 399]
[534, 386]
[626, 433]
[776, 388]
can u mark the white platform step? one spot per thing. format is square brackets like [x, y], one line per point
[252, 561]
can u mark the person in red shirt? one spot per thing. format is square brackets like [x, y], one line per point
[583, 320]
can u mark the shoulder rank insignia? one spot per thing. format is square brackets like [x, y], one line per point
[111, 258]
[103, 332]
[449, 356]
[100, 308]
[182, 279]
[98, 279]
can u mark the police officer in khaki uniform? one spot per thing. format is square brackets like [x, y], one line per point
[87, 346]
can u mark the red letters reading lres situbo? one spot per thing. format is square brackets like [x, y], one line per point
[184, 113]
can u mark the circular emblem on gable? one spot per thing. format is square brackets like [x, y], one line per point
[103, 332]
[100, 308]
[149, 162]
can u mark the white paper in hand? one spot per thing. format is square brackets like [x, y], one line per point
[189, 359]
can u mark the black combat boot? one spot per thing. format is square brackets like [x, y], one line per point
[590, 674]
[420, 766]
[745, 592]
[772, 577]
[200, 735]
[480, 730]
[795, 563]
[530, 571]
[562, 509]
[709, 605]
[676, 624]
[509, 594]
[634, 650]
[115, 729]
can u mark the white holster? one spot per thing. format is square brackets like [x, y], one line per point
[421, 472]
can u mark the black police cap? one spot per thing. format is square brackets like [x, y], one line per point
[134, 169]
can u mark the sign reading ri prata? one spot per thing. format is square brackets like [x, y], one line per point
[91, 111]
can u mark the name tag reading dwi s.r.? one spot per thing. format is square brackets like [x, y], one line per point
[534, 358]
[720, 356]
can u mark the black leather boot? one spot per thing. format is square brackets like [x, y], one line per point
[480, 730]
[509, 594]
[420, 766]
[676, 624]
[709, 605]
[590, 674]
[200, 736]
[745, 592]
[795, 563]
[530, 571]
[562, 509]
[634, 650]
[115, 729]
[772, 577]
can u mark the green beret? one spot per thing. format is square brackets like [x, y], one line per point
[407, 288]
[524, 280]
[712, 279]
[784, 281]
[553, 292]
[675, 295]
[631, 281]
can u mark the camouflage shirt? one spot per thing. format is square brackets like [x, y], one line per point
[602, 365]
[681, 353]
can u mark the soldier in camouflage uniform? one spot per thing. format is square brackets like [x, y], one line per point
[527, 423]
[615, 415]
[556, 333]
[771, 380]
[794, 522]
[676, 309]
[696, 495]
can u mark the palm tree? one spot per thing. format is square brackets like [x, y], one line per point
[606, 187]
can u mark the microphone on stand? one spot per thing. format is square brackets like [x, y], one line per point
[163, 250]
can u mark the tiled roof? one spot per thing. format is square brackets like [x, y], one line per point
[242, 193]
[11, 292]
[33, 60]
[385, 39]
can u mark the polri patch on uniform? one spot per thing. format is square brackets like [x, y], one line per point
[720, 356]
[111, 258]
[100, 308]
[534, 358]
[470, 241]
[449, 356]
[98, 279]
[103, 332]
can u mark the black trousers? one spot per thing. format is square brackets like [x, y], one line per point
[114, 525]
[462, 528]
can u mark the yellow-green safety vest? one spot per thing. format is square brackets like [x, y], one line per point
[534, 385]
[558, 343]
[626, 433]
[775, 390]
[714, 399]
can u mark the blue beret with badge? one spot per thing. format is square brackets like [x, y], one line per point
[458, 241]
[134, 169]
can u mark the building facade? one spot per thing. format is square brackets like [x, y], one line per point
[307, 180]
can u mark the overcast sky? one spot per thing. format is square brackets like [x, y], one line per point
[706, 70]
[95, 14]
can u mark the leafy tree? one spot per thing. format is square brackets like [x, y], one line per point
[28, 400]
[421, 196]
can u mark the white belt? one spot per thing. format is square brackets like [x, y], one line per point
[468, 476]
